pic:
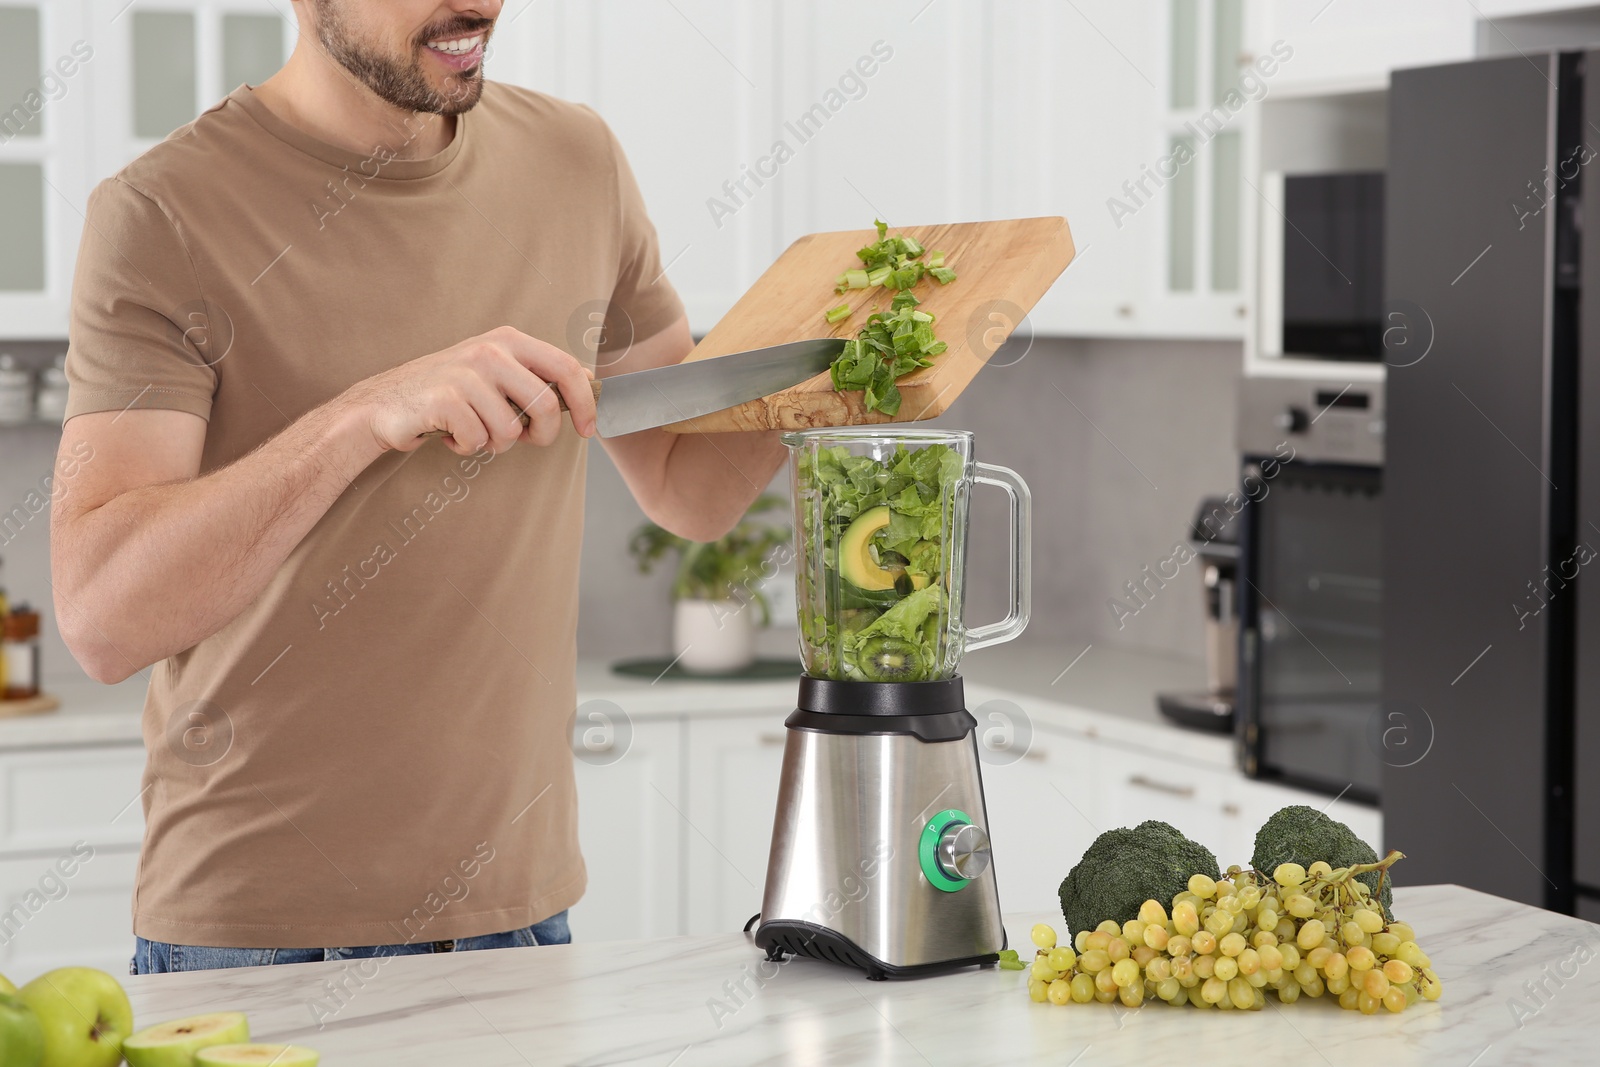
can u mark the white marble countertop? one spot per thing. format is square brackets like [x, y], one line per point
[652, 1002]
[90, 714]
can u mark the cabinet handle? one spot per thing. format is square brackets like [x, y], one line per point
[1230, 809]
[773, 739]
[1160, 787]
[1036, 754]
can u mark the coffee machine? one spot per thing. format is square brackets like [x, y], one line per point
[880, 856]
[1214, 536]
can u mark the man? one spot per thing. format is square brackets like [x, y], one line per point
[362, 638]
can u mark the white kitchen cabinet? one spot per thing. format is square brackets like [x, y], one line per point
[1352, 45]
[1044, 810]
[690, 89]
[1137, 786]
[50, 798]
[79, 920]
[1249, 803]
[46, 70]
[71, 820]
[732, 793]
[1075, 111]
[160, 63]
[884, 106]
[631, 828]
[1089, 103]
[85, 86]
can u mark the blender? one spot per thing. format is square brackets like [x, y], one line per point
[880, 854]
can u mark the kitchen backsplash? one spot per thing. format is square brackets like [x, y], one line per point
[1110, 496]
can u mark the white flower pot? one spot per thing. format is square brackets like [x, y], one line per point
[713, 636]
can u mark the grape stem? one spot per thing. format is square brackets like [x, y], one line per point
[1344, 874]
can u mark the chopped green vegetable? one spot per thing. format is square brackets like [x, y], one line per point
[851, 279]
[886, 578]
[890, 345]
[835, 314]
[1010, 961]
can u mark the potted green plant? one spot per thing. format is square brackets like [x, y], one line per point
[717, 600]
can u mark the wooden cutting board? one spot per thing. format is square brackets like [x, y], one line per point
[1002, 269]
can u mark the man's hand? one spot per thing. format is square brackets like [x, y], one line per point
[464, 390]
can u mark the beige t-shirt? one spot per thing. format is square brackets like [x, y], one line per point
[377, 749]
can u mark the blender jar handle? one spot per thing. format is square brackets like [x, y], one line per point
[1021, 516]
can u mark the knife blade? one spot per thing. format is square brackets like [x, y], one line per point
[628, 403]
[642, 399]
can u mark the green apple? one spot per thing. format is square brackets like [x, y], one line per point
[21, 1037]
[85, 1016]
[259, 1055]
[174, 1044]
[7, 985]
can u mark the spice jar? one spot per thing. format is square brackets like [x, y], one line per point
[19, 646]
[16, 392]
[51, 405]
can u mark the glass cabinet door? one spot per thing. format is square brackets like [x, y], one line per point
[252, 50]
[164, 72]
[22, 255]
[22, 236]
[44, 101]
[1205, 199]
[19, 72]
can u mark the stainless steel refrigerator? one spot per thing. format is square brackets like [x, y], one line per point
[1491, 661]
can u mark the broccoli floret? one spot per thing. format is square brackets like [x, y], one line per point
[1303, 835]
[1124, 868]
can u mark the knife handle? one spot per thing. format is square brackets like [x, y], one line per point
[594, 387]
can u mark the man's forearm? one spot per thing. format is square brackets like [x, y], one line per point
[710, 480]
[154, 570]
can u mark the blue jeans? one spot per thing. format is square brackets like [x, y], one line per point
[158, 957]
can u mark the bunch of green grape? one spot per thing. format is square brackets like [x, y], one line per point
[1226, 943]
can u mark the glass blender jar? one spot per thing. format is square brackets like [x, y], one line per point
[881, 527]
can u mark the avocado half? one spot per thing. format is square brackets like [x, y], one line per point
[856, 563]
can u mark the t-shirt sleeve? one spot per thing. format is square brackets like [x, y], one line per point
[140, 333]
[642, 297]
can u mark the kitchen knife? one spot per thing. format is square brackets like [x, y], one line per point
[628, 403]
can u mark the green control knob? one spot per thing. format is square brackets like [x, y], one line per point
[953, 850]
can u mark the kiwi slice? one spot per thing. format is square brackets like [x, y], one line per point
[889, 659]
[854, 619]
[173, 1044]
[257, 1055]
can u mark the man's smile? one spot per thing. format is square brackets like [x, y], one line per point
[460, 53]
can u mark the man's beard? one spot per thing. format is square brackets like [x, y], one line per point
[400, 80]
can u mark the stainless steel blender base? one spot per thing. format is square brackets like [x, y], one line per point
[873, 833]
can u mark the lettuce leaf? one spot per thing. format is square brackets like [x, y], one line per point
[905, 619]
[837, 619]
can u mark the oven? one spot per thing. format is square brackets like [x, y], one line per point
[1310, 590]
